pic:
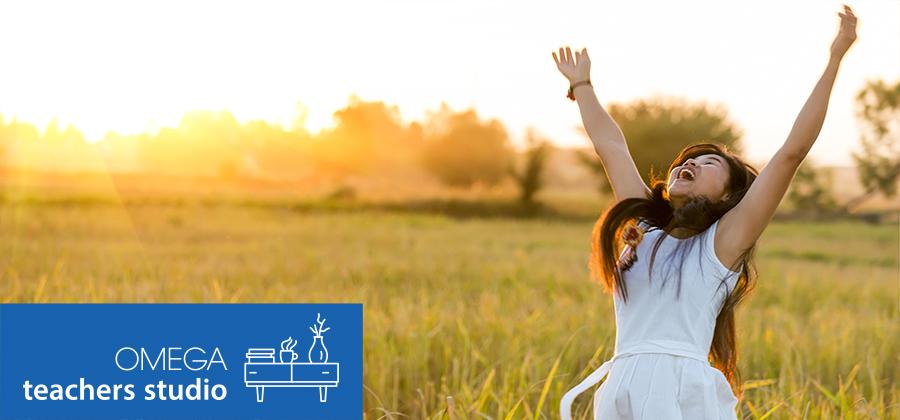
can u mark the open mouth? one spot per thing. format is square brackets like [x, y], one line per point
[685, 174]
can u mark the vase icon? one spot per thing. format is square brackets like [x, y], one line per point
[317, 351]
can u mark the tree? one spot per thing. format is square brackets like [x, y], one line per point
[595, 166]
[658, 128]
[530, 177]
[369, 137]
[205, 142]
[4, 141]
[16, 136]
[809, 192]
[461, 150]
[878, 165]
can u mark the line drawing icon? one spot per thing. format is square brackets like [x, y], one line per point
[262, 370]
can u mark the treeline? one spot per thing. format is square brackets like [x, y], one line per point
[368, 136]
[457, 148]
[368, 139]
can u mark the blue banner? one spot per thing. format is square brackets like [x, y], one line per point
[181, 361]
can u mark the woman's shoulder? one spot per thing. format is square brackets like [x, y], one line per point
[709, 248]
[644, 224]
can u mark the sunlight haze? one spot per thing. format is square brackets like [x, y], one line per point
[138, 66]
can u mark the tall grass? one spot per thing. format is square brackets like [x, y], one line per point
[489, 318]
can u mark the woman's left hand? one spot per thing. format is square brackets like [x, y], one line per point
[846, 35]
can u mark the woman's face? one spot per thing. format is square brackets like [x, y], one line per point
[705, 175]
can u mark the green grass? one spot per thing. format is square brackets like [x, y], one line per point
[497, 313]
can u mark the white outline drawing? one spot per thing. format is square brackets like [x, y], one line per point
[261, 370]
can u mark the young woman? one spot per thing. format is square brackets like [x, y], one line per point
[673, 317]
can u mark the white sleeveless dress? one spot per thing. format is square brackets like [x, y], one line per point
[660, 367]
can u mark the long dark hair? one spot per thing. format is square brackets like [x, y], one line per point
[696, 215]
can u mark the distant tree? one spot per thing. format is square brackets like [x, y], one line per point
[204, 143]
[809, 191]
[878, 111]
[657, 128]
[590, 161]
[23, 131]
[275, 153]
[368, 137]
[530, 177]
[461, 150]
[5, 141]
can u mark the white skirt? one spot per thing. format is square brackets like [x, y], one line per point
[660, 386]
[663, 386]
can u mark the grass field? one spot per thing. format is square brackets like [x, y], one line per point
[497, 313]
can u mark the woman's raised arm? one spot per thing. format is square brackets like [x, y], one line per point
[605, 134]
[744, 223]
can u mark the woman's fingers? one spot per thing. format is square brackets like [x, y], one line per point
[847, 16]
[848, 13]
[847, 9]
[566, 56]
[847, 19]
[562, 56]
[848, 22]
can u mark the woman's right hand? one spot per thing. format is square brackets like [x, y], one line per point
[575, 68]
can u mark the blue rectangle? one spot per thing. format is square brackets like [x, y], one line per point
[131, 361]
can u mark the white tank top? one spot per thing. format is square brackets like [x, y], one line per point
[658, 319]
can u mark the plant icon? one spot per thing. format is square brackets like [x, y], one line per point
[317, 351]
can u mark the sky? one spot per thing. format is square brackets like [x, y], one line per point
[140, 65]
